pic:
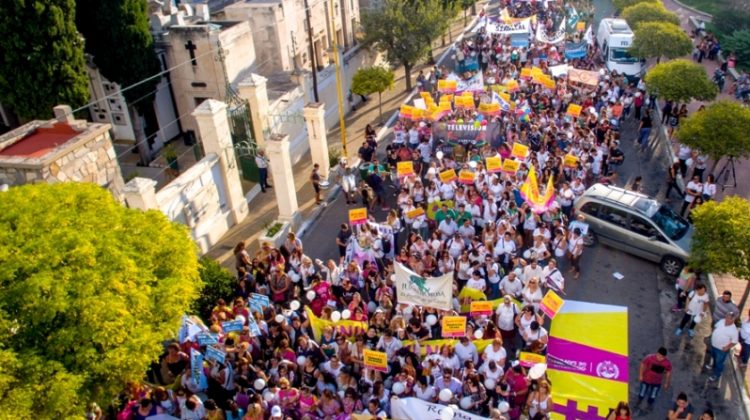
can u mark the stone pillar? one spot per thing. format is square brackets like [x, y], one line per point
[279, 155]
[253, 89]
[140, 193]
[316, 134]
[213, 125]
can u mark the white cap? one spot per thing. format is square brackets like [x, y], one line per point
[276, 411]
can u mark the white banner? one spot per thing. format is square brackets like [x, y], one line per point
[474, 84]
[492, 26]
[556, 38]
[433, 292]
[416, 409]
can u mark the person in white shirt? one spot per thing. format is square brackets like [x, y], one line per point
[697, 309]
[466, 350]
[709, 188]
[477, 281]
[491, 370]
[693, 189]
[535, 336]
[423, 390]
[192, 409]
[511, 286]
[506, 316]
[553, 278]
[505, 249]
[467, 231]
[724, 337]
[532, 270]
[447, 227]
[495, 352]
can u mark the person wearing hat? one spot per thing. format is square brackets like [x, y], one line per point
[724, 337]
[276, 412]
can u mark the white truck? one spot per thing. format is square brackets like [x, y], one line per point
[615, 38]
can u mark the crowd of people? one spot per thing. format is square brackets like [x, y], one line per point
[280, 362]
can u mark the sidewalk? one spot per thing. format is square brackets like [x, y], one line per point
[263, 209]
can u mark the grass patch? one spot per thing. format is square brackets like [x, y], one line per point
[715, 6]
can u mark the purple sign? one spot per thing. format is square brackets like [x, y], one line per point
[567, 356]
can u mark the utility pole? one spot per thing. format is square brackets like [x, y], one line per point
[312, 52]
[340, 94]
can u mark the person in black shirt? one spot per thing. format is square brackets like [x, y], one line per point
[616, 157]
[342, 240]
[644, 130]
[366, 152]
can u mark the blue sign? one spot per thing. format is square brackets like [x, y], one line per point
[253, 326]
[259, 302]
[196, 369]
[205, 338]
[212, 353]
[575, 50]
[232, 326]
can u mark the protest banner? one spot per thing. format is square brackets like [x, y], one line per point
[575, 50]
[454, 326]
[520, 151]
[415, 409]
[466, 177]
[258, 303]
[464, 133]
[419, 211]
[420, 103]
[526, 73]
[574, 110]
[206, 338]
[556, 38]
[232, 326]
[551, 304]
[557, 71]
[511, 166]
[570, 161]
[586, 77]
[432, 292]
[405, 168]
[513, 86]
[480, 307]
[215, 354]
[580, 26]
[357, 216]
[375, 360]
[252, 326]
[490, 109]
[494, 164]
[197, 374]
[529, 359]
[344, 327]
[448, 176]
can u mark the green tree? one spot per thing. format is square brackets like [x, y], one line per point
[465, 4]
[739, 44]
[660, 39]
[42, 63]
[399, 29]
[621, 5]
[118, 37]
[719, 130]
[681, 81]
[218, 283]
[728, 20]
[721, 242]
[369, 80]
[648, 12]
[89, 290]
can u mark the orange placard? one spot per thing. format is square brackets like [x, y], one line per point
[419, 211]
[547, 82]
[529, 359]
[357, 216]
[520, 151]
[581, 26]
[574, 110]
[405, 168]
[480, 307]
[447, 86]
[511, 166]
[526, 73]
[551, 304]
[570, 161]
[466, 177]
[454, 326]
[494, 164]
[448, 176]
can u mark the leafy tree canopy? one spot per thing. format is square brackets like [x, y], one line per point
[728, 20]
[739, 44]
[117, 35]
[681, 81]
[648, 12]
[719, 130]
[218, 283]
[42, 63]
[89, 290]
[623, 4]
[660, 39]
[721, 242]
[375, 79]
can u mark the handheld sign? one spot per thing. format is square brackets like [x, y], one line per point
[520, 151]
[405, 168]
[454, 326]
[574, 110]
[529, 359]
[551, 304]
[375, 360]
[231, 326]
[357, 216]
[419, 211]
[494, 164]
[466, 177]
[448, 176]
[212, 353]
[259, 302]
[480, 307]
[511, 166]
[570, 161]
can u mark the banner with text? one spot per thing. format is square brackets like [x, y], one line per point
[432, 292]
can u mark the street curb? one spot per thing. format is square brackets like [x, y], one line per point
[693, 9]
[739, 378]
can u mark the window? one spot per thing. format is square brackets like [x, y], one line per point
[615, 216]
[670, 223]
[621, 55]
[590, 208]
[643, 227]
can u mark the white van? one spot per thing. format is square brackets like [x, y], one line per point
[615, 39]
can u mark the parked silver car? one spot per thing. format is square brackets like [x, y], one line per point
[636, 224]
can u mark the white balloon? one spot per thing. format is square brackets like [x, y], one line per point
[439, 154]
[431, 320]
[294, 276]
[268, 396]
[240, 318]
[336, 316]
[398, 388]
[465, 403]
[346, 314]
[445, 395]
[503, 406]
[301, 360]
[294, 305]
[489, 384]
[472, 164]
[372, 307]
[341, 394]
[537, 371]
[279, 318]
[259, 384]
[310, 295]
[447, 413]
[478, 334]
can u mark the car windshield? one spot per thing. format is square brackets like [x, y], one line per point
[670, 223]
[621, 55]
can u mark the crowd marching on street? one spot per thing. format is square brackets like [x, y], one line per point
[478, 183]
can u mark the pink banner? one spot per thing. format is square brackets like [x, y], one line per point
[573, 357]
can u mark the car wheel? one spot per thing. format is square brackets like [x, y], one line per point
[671, 265]
[590, 239]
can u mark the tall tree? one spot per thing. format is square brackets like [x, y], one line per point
[660, 39]
[373, 79]
[720, 130]
[118, 37]
[681, 81]
[738, 43]
[41, 64]
[89, 291]
[648, 12]
[399, 29]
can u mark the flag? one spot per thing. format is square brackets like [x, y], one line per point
[530, 193]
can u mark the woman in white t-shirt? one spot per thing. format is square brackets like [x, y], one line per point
[709, 188]
[697, 308]
[532, 293]
[423, 390]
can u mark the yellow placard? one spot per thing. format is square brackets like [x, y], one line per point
[448, 176]
[570, 161]
[512, 86]
[447, 85]
[494, 164]
[526, 73]
[375, 360]
[405, 168]
[511, 166]
[520, 151]
[454, 326]
[419, 211]
[529, 359]
[466, 177]
[574, 110]
[357, 216]
[480, 307]
[581, 26]
[492, 108]
[551, 304]
[547, 82]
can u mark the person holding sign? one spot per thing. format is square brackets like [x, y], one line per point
[535, 337]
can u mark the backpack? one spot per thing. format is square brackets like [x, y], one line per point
[386, 245]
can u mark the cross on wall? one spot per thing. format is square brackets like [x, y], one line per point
[191, 50]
